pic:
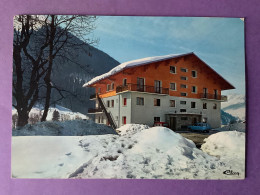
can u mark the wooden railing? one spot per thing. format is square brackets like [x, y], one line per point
[142, 88]
[94, 110]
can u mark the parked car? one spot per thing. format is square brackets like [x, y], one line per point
[204, 127]
[162, 124]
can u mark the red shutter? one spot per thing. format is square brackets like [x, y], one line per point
[124, 120]
[124, 101]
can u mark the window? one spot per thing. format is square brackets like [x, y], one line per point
[215, 106]
[173, 86]
[112, 103]
[124, 120]
[108, 103]
[194, 73]
[124, 101]
[157, 102]
[216, 94]
[184, 118]
[172, 103]
[184, 78]
[182, 110]
[124, 82]
[108, 87]
[140, 101]
[157, 86]
[205, 92]
[183, 94]
[156, 119]
[99, 119]
[183, 86]
[183, 102]
[184, 70]
[99, 90]
[194, 89]
[193, 104]
[204, 105]
[140, 84]
[173, 69]
[112, 86]
[102, 119]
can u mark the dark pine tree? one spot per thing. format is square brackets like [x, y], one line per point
[56, 116]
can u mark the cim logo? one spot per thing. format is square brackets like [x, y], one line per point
[230, 172]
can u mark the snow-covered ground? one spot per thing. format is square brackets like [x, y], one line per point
[138, 152]
[38, 109]
[46, 156]
[64, 128]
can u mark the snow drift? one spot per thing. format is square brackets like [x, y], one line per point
[229, 147]
[137, 152]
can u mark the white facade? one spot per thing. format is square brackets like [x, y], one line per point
[184, 112]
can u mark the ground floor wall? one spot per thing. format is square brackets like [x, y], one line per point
[126, 109]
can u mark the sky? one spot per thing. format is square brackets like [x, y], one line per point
[217, 41]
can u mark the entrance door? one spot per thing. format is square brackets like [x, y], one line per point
[173, 123]
[194, 120]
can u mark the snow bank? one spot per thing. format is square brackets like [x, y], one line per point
[228, 143]
[139, 152]
[65, 128]
[156, 152]
[229, 146]
[132, 63]
[131, 129]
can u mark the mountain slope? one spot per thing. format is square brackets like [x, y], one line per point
[80, 64]
[235, 106]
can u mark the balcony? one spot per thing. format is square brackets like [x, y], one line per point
[94, 110]
[208, 96]
[142, 88]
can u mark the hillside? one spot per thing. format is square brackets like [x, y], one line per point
[235, 106]
[80, 65]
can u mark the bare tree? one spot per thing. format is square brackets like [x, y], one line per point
[52, 36]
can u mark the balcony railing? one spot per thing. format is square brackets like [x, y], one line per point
[94, 110]
[142, 88]
[213, 97]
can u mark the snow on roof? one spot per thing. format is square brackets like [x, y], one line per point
[132, 63]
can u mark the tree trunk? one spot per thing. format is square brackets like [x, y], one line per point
[47, 78]
[22, 118]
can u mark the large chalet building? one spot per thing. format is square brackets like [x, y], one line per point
[178, 89]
